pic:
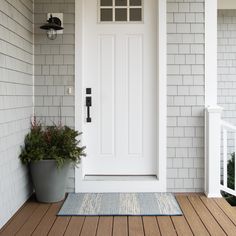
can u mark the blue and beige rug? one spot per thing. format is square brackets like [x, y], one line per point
[106, 204]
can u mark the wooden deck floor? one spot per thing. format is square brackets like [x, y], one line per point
[201, 217]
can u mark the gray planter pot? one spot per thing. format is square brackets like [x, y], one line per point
[49, 181]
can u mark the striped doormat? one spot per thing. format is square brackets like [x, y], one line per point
[108, 204]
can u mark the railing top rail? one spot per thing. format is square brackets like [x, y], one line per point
[227, 125]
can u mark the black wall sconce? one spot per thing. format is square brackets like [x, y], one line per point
[53, 24]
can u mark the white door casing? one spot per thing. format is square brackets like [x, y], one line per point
[124, 137]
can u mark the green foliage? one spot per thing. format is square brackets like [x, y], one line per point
[57, 143]
[231, 173]
[230, 180]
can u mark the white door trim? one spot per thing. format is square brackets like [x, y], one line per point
[158, 185]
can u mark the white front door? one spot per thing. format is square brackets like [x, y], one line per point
[120, 67]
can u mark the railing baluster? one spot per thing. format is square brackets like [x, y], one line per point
[225, 159]
[234, 161]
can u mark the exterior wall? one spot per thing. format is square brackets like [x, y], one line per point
[54, 67]
[185, 47]
[54, 74]
[16, 101]
[227, 70]
[227, 63]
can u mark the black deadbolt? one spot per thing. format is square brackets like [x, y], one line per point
[88, 91]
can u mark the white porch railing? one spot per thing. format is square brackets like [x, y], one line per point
[226, 128]
[216, 146]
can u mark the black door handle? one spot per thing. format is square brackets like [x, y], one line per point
[88, 105]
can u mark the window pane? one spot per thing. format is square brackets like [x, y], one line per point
[135, 2]
[136, 14]
[121, 14]
[106, 2]
[121, 2]
[106, 14]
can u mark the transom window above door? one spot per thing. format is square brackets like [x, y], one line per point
[120, 10]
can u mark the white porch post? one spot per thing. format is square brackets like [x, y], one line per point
[212, 145]
[210, 52]
[212, 112]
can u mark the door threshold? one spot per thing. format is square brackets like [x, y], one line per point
[120, 178]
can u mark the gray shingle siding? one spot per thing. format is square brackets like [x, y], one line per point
[185, 88]
[227, 63]
[16, 101]
[227, 69]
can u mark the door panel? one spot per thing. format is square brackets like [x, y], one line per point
[106, 75]
[135, 94]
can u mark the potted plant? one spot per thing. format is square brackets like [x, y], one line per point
[50, 151]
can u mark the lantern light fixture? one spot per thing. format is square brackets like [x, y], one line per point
[52, 26]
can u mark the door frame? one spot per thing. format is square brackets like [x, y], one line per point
[158, 185]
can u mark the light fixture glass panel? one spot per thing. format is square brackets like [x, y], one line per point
[52, 34]
[106, 2]
[135, 14]
[106, 14]
[135, 3]
[121, 14]
[121, 2]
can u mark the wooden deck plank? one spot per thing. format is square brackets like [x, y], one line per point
[120, 226]
[150, 226]
[191, 216]
[166, 226]
[228, 210]
[105, 225]
[29, 227]
[75, 226]
[135, 226]
[19, 220]
[181, 226]
[90, 226]
[208, 220]
[48, 220]
[10, 220]
[220, 216]
[201, 216]
[59, 226]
